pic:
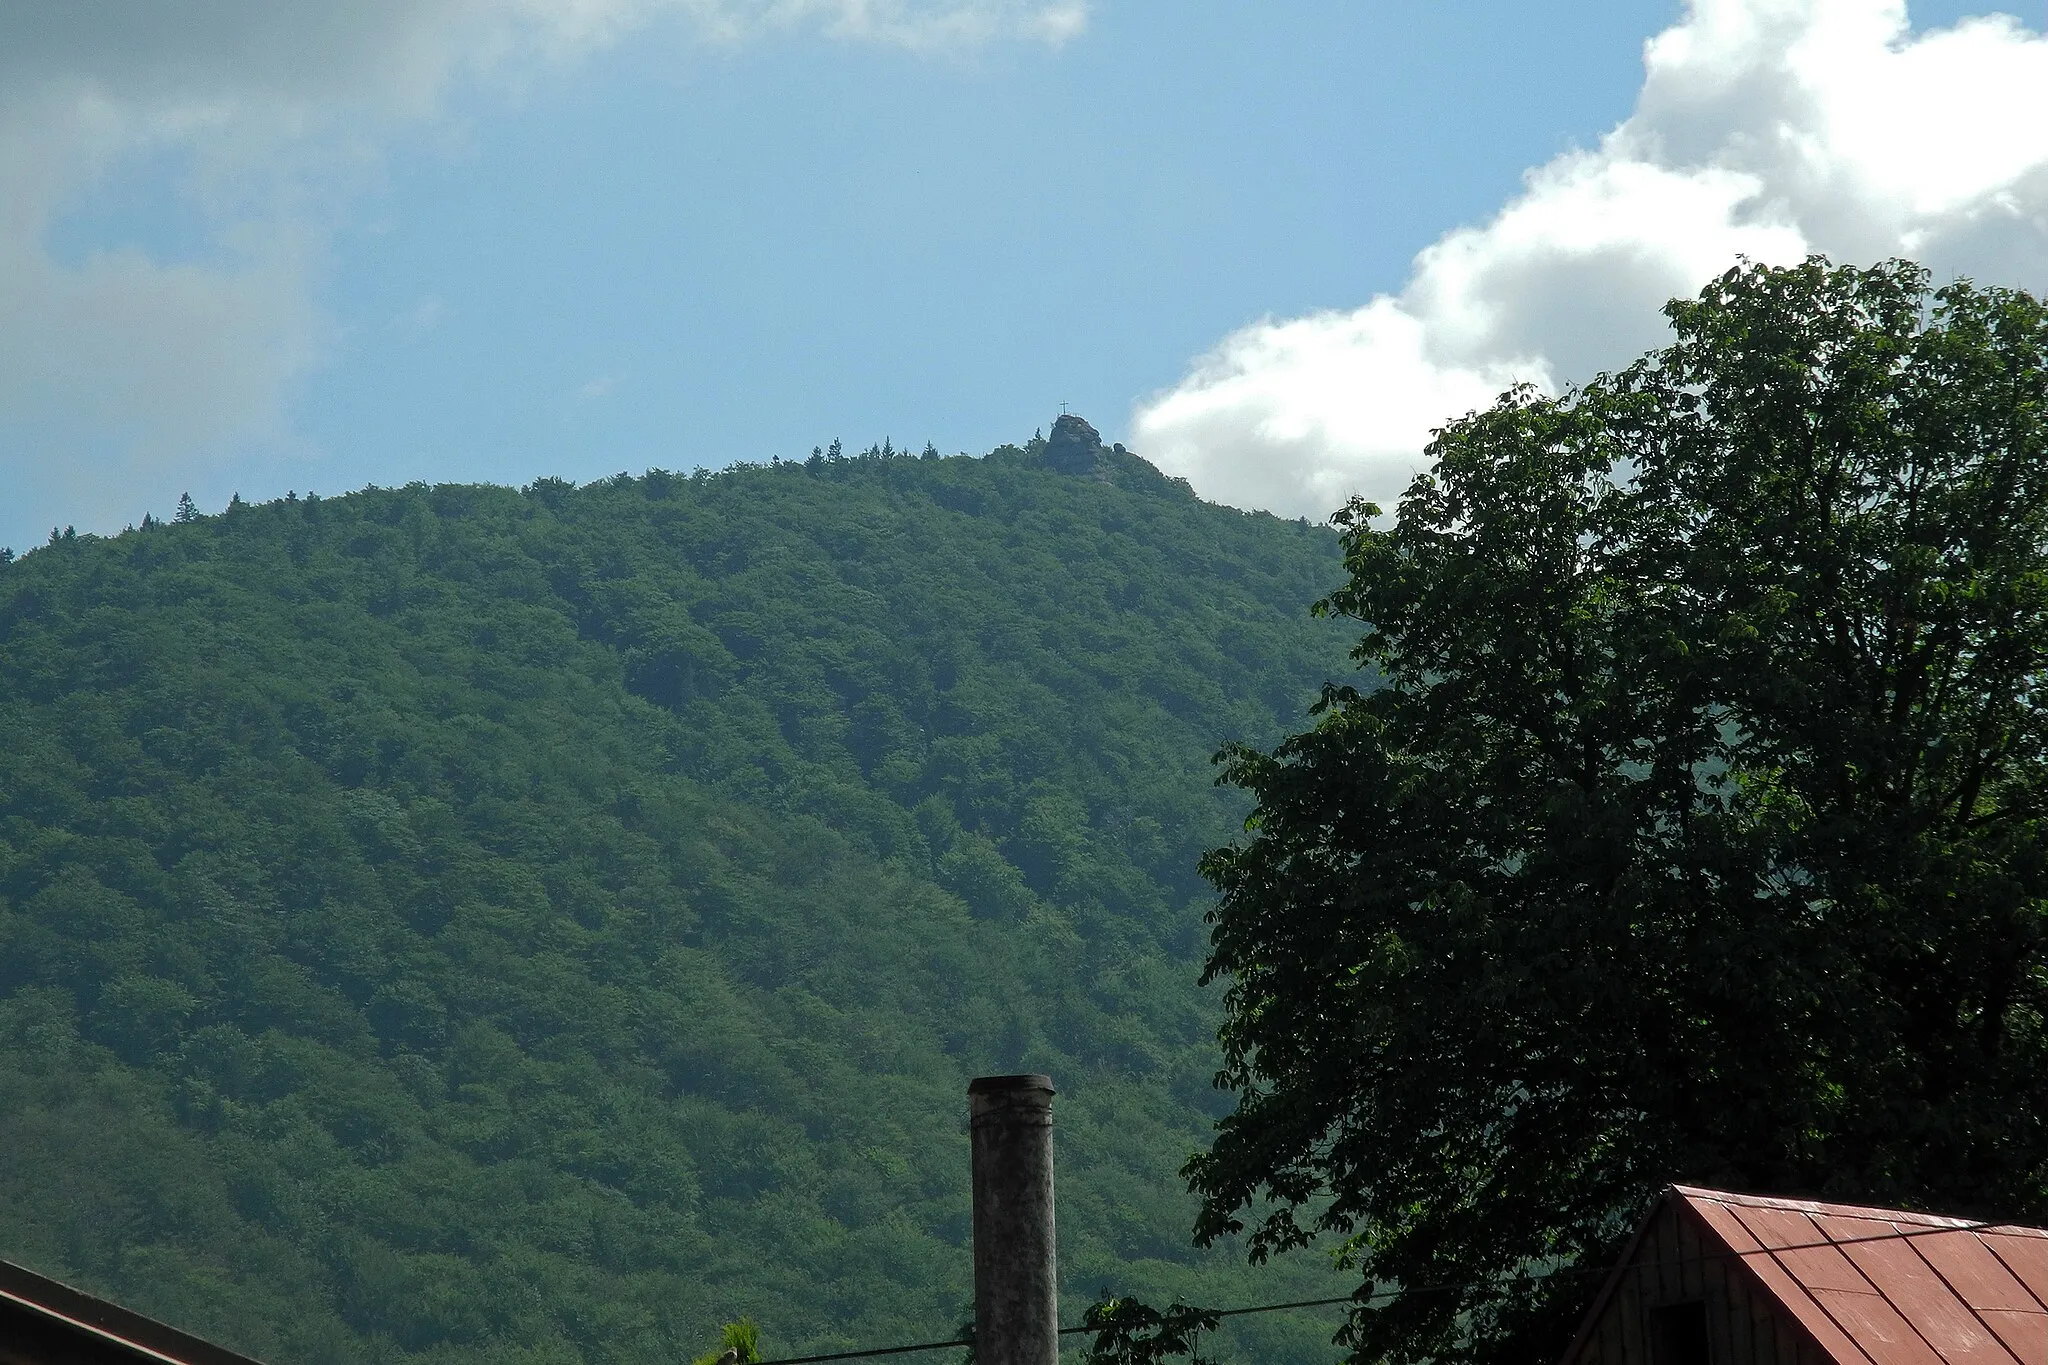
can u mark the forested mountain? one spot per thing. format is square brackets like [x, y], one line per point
[465, 923]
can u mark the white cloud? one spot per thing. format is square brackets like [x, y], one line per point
[120, 366]
[1764, 128]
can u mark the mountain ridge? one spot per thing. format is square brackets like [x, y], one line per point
[458, 922]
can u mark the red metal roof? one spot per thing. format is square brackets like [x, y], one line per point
[1882, 1287]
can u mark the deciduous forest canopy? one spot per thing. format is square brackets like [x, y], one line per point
[1696, 832]
[464, 924]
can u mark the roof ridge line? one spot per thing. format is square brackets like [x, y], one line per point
[1864, 1211]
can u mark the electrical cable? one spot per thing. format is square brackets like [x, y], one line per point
[1894, 1235]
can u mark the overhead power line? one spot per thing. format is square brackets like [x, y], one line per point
[874, 1351]
[1896, 1234]
[1064, 1331]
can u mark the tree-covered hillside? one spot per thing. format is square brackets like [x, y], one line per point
[462, 923]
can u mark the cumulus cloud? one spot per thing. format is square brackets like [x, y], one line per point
[1764, 128]
[120, 364]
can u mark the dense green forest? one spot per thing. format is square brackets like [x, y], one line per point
[462, 923]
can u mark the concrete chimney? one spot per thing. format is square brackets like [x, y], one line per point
[1016, 1271]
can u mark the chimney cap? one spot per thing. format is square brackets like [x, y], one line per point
[1030, 1080]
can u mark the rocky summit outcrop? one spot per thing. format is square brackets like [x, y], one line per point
[1074, 447]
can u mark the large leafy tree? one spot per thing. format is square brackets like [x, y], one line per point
[1690, 830]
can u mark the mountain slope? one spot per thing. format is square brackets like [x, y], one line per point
[459, 923]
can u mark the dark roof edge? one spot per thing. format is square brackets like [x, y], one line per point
[1746, 1265]
[62, 1304]
[1614, 1275]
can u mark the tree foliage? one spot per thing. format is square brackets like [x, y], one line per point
[470, 924]
[1131, 1332]
[739, 1343]
[1695, 833]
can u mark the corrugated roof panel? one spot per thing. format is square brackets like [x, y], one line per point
[1889, 1287]
[2025, 1256]
[1878, 1327]
[1803, 1249]
[1824, 1331]
[2025, 1334]
[1974, 1271]
[1892, 1263]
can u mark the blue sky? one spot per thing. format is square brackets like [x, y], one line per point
[752, 251]
[654, 248]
